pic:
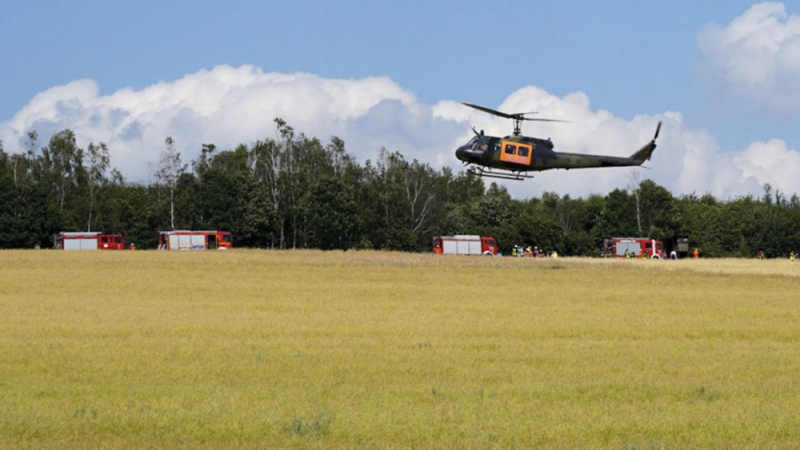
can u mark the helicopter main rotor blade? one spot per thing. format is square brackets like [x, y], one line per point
[491, 111]
[545, 120]
[516, 116]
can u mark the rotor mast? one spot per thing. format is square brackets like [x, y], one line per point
[518, 125]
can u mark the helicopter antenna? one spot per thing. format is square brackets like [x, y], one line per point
[516, 117]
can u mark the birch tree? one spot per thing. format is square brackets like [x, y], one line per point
[169, 171]
[267, 164]
[633, 186]
[98, 160]
[62, 161]
[418, 183]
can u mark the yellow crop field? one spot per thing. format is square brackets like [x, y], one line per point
[307, 349]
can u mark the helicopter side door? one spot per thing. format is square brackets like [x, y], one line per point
[516, 152]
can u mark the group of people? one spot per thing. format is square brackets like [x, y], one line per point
[792, 255]
[642, 254]
[529, 252]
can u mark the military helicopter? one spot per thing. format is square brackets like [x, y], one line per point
[511, 157]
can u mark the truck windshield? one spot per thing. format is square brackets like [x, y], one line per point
[226, 237]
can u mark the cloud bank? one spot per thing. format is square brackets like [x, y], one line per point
[757, 55]
[227, 106]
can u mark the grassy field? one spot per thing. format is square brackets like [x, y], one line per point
[304, 349]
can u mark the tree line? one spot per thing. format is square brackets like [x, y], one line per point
[294, 191]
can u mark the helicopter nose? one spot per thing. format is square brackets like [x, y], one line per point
[461, 153]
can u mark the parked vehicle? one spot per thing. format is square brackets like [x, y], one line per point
[465, 245]
[194, 240]
[617, 247]
[89, 241]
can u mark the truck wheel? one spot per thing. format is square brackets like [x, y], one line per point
[655, 257]
[487, 253]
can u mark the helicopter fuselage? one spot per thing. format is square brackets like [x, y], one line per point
[518, 153]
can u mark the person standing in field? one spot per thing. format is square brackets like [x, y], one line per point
[696, 253]
[791, 257]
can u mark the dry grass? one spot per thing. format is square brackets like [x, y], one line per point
[259, 349]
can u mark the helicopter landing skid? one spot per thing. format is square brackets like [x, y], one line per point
[504, 175]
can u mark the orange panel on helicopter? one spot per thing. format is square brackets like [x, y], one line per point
[515, 152]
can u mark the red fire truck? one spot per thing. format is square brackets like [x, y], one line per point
[89, 241]
[616, 247]
[465, 245]
[194, 240]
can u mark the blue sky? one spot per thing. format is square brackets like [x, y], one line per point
[629, 58]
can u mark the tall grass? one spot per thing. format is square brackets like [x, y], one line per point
[261, 349]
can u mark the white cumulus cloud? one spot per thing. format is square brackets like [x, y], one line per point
[227, 106]
[224, 106]
[757, 55]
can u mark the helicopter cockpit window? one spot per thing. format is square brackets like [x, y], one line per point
[511, 149]
[523, 151]
[472, 142]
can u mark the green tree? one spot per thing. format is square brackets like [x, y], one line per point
[334, 216]
[659, 217]
[618, 217]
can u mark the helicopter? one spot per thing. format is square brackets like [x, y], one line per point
[512, 157]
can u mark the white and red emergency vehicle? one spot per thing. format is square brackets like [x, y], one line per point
[465, 245]
[89, 241]
[194, 240]
[616, 247]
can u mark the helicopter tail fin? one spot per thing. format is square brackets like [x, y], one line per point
[646, 152]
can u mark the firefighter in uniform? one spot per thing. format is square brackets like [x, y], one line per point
[791, 257]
